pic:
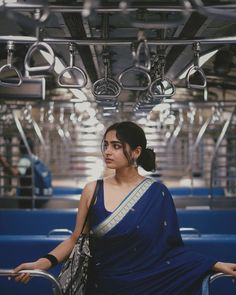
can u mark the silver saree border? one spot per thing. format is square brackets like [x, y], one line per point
[119, 213]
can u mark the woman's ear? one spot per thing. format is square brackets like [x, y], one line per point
[137, 152]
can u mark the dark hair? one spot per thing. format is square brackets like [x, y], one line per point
[132, 134]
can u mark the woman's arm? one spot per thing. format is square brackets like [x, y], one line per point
[63, 250]
[226, 268]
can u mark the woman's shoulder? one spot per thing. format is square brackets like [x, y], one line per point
[158, 184]
[90, 186]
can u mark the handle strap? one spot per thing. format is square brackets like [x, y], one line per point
[98, 184]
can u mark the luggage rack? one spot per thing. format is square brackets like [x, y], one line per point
[36, 273]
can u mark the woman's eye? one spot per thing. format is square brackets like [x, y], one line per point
[117, 146]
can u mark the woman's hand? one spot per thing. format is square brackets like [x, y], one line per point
[40, 264]
[226, 268]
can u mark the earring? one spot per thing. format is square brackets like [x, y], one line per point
[134, 163]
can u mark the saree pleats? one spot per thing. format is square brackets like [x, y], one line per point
[142, 252]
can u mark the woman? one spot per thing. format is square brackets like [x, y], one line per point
[135, 242]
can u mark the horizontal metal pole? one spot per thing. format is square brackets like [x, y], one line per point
[66, 198]
[34, 273]
[110, 8]
[117, 42]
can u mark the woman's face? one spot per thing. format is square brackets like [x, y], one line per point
[113, 152]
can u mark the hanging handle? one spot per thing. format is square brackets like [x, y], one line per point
[165, 91]
[9, 67]
[192, 71]
[39, 45]
[106, 88]
[35, 47]
[72, 69]
[196, 69]
[136, 52]
[145, 74]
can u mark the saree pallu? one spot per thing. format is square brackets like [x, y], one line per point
[137, 249]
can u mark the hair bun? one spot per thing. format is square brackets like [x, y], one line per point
[147, 160]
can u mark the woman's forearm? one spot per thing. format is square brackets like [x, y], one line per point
[63, 250]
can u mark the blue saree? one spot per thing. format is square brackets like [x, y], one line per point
[137, 249]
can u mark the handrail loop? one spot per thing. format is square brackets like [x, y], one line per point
[161, 87]
[106, 89]
[162, 24]
[71, 69]
[196, 69]
[132, 87]
[35, 273]
[37, 46]
[137, 67]
[136, 49]
[9, 67]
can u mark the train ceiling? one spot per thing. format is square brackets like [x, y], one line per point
[126, 56]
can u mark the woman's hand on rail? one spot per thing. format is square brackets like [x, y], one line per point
[41, 264]
[226, 268]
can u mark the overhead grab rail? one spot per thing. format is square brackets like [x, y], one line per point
[143, 21]
[72, 70]
[118, 42]
[196, 69]
[35, 273]
[161, 87]
[102, 9]
[8, 67]
[106, 89]
[38, 46]
[138, 68]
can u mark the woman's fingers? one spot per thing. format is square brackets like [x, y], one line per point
[22, 277]
[20, 267]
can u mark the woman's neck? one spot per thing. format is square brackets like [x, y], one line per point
[127, 175]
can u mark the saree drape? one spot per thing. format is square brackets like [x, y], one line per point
[137, 249]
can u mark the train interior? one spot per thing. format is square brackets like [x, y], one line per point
[69, 69]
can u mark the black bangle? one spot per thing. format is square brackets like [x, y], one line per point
[52, 259]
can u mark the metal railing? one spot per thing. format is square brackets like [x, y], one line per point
[210, 279]
[35, 273]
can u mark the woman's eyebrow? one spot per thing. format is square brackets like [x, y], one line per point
[113, 141]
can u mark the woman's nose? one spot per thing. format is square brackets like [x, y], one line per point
[108, 150]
